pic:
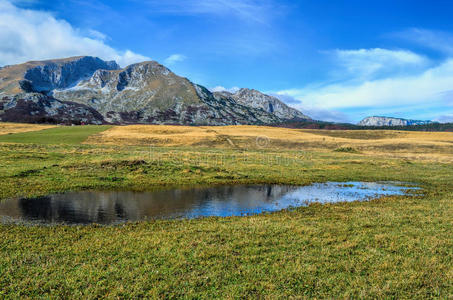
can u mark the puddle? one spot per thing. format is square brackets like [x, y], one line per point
[110, 207]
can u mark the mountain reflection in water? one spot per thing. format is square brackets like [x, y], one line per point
[110, 207]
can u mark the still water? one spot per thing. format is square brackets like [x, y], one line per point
[113, 207]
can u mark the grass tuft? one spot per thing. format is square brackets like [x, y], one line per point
[347, 150]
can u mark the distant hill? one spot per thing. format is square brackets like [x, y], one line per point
[89, 90]
[388, 121]
[312, 124]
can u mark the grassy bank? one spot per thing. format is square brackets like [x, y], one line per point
[398, 247]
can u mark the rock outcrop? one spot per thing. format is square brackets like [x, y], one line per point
[270, 104]
[39, 108]
[45, 76]
[146, 93]
[388, 121]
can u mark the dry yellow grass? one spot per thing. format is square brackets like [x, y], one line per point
[7, 128]
[210, 136]
[153, 135]
[412, 145]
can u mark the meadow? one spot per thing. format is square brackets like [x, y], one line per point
[393, 247]
[10, 128]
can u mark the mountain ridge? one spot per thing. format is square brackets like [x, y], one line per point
[145, 93]
[268, 103]
[391, 121]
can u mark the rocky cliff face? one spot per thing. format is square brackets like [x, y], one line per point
[45, 76]
[258, 100]
[39, 108]
[387, 121]
[140, 93]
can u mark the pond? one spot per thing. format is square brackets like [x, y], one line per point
[113, 207]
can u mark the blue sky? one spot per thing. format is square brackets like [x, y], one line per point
[334, 60]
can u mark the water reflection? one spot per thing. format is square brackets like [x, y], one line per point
[116, 207]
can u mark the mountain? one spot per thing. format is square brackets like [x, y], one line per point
[89, 90]
[256, 99]
[45, 76]
[388, 121]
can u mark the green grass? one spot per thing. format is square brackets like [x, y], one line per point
[395, 247]
[59, 135]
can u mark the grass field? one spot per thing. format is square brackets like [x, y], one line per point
[395, 247]
[9, 128]
[53, 135]
[433, 146]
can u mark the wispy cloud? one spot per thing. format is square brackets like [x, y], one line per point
[32, 35]
[245, 28]
[437, 40]
[427, 87]
[285, 98]
[447, 118]
[325, 114]
[371, 63]
[175, 58]
[97, 35]
[248, 10]
[316, 113]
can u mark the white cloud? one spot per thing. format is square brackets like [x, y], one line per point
[427, 87]
[324, 114]
[368, 63]
[447, 118]
[174, 58]
[284, 97]
[97, 35]
[34, 35]
[223, 89]
[315, 113]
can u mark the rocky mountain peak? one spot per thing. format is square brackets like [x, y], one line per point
[149, 67]
[270, 104]
[247, 91]
[45, 76]
[146, 92]
[62, 74]
[389, 121]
